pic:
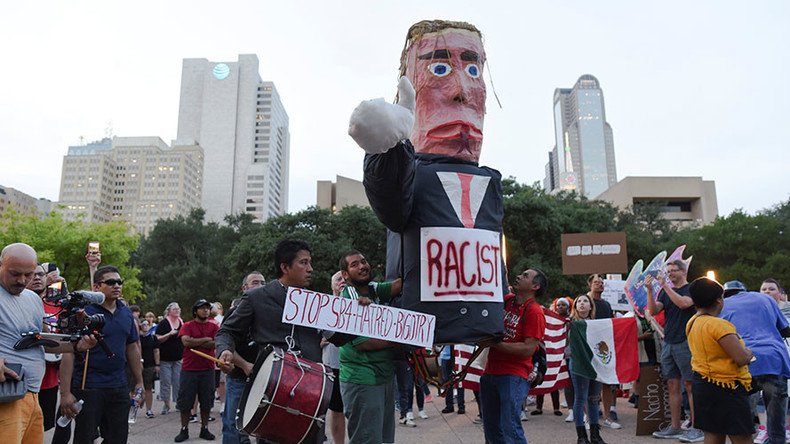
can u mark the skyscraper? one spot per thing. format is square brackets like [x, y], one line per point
[242, 126]
[136, 179]
[583, 155]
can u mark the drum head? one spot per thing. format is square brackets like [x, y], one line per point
[257, 389]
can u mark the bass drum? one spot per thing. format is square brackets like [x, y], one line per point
[285, 399]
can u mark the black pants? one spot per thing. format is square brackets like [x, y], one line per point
[106, 407]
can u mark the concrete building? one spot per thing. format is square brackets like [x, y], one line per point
[136, 179]
[241, 124]
[583, 155]
[19, 201]
[343, 193]
[683, 199]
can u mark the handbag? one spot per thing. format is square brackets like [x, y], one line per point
[13, 390]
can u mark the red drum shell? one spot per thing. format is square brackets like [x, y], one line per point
[287, 419]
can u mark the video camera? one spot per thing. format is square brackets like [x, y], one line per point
[72, 319]
[71, 322]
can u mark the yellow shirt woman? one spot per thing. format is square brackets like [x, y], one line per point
[708, 358]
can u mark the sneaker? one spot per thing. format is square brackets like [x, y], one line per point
[149, 414]
[686, 424]
[762, 435]
[668, 433]
[449, 409]
[692, 435]
[787, 434]
[423, 415]
[478, 420]
[429, 398]
[409, 422]
[524, 416]
[530, 400]
[613, 415]
[569, 418]
[183, 435]
[205, 434]
[612, 424]
[536, 412]
[193, 418]
[165, 410]
[461, 411]
[211, 418]
[564, 404]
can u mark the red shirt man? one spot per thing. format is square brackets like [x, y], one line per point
[505, 385]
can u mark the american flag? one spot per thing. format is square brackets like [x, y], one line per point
[554, 340]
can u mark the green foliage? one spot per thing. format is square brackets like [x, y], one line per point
[329, 236]
[66, 242]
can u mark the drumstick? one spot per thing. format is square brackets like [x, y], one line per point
[209, 357]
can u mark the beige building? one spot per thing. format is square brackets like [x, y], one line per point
[136, 179]
[342, 193]
[22, 202]
[683, 199]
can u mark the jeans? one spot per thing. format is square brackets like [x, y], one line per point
[586, 393]
[447, 370]
[404, 375]
[169, 376]
[233, 390]
[501, 397]
[774, 389]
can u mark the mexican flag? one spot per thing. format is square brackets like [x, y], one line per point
[605, 350]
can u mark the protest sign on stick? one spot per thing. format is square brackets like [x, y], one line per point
[326, 312]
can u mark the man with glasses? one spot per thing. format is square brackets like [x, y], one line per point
[105, 395]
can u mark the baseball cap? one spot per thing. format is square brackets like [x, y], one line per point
[732, 287]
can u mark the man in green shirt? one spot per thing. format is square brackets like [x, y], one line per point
[366, 366]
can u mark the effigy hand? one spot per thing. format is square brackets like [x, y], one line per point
[377, 126]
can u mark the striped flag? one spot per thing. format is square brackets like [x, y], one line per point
[554, 339]
[605, 350]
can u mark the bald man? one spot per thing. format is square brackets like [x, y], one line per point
[22, 311]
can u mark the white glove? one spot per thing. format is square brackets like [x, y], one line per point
[377, 126]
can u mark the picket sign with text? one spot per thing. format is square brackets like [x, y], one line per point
[326, 312]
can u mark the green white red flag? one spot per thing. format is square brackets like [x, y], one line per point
[605, 350]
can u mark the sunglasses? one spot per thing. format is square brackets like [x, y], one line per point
[111, 282]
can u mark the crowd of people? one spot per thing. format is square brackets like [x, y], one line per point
[721, 351]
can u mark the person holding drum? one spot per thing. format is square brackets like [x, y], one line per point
[366, 365]
[260, 313]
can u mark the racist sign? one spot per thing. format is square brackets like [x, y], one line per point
[460, 264]
[587, 253]
[326, 312]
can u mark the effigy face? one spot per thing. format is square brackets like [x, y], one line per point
[446, 68]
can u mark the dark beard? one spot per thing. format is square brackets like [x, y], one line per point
[360, 283]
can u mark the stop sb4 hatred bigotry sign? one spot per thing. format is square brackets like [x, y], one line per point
[326, 312]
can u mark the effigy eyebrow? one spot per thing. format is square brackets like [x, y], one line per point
[470, 56]
[438, 54]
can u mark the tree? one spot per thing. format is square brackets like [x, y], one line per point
[66, 242]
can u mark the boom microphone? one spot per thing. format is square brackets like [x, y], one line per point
[92, 297]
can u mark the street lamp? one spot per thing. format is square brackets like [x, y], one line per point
[711, 275]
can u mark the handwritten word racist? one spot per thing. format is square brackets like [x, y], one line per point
[327, 312]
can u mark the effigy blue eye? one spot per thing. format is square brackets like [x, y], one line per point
[473, 71]
[440, 69]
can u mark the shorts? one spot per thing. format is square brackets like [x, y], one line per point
[192, 384]
[149, 375]
[721, 409]
[336, 402]
[676, 361]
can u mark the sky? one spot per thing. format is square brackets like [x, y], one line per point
[691, 88]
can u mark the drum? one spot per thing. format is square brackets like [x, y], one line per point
[285, 399]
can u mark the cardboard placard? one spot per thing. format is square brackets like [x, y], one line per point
[587, 253]
[653, 409]
[327, 312]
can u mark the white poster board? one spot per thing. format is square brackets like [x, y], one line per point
[614, 294]
[460, 264]
[326, 312]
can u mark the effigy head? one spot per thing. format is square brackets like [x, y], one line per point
[444, 61]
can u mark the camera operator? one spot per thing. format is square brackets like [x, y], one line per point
[105, 396]
[22, 311]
